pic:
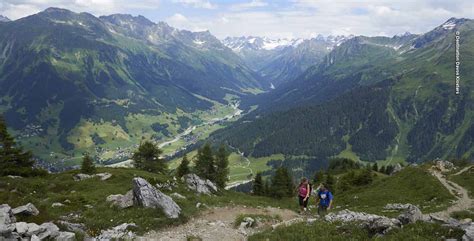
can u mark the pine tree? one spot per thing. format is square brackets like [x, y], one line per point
[13, 160]
[382, 169]
[222, 166]
[388, 169]
[375, 167]
[87, 165]
[318, 177]
[282, 183]
[183, 167]
[267, 188]
[258, 186]
[147, 158]
[205, 163]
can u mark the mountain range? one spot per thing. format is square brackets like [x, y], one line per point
[371, 99]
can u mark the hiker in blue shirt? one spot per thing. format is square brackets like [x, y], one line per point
[324, 196]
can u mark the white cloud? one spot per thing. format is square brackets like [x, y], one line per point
[248, 5]
[197, 3]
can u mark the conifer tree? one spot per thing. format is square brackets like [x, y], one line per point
[282, 183]
[183, 167]
[205, 163]
[147, 157]
[222, 166]
[258, 186]
[330, 182]
[87, 165]
[318, 177]
[375, 167]
[13, 160]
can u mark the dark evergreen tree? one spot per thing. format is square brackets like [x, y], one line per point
[318, 177]
[13, 160]
[375, 167]
[222, 166]
[205, 163]
[258, 187]
[382, 169]
[87, 166]
[388, 169]
[147, 158]
[282, 183]
[330, 182]
[183, 167]
[267, 188]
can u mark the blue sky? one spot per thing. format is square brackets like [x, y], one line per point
[275, 19]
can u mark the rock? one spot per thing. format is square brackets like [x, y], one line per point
[65, 236]
[287, 223]
[51, 231]
[73, 227]
[121, 201]
[55, 205]
[443, 166]
[168, 185]
[81, 177]
[14, 177]
[411, 215]
[34, 238]
[195, 183]
[198, 205]
[177, 195]
[103, 176]
[118, 233]
[21, 227]
[34, 228]
[6, 229]
[383, 225]
[145, 195]
[28, 209]
[469, 235]
[88, 206]
[311, 220]
[396, 168]
[6, 215]
[375, 223]
[397, 206]
[248, 222]
[465, 221]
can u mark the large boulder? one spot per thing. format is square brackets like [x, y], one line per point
[411, 215]
[6, 215]
[443, 165]
[397, 168]
[65, 236]
[50, 231]
[81, 177]
[199, 185]
[28, 209]
[145, 195]
[469, 235]
[121, 201]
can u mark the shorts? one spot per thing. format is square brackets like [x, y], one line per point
[302, 202]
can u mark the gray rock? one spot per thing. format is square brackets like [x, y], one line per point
[51, 231]
[6, 215]
[88, 206]
[469, 235]
[287, 223]
[411, 215]
[119, 232]
[375, 223]
[396, 168]
[21, 227]
[383, 225]
[55, 205]
[34, 228]
[6, 229]
[28, 209]
[103, 176]
[35, 238]
[145, 195]
[177, 195]
[397, 206]
[121, 201]
[199, 185]
[73, 227]
[14, 177]
[81, 177]
[65, 236]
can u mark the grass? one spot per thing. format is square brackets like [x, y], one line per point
[257, 217]
[465, 179]
[320, 230]
[411, 185]
[43, 191]
[463, 214]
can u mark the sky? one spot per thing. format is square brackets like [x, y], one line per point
[270, 18]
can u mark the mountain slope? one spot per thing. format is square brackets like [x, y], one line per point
[73, 81]
[325, 112]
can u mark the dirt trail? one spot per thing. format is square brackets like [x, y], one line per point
[463, 170]
[463, 202]
[215, 224]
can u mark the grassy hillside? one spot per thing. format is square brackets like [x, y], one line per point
[465, 179]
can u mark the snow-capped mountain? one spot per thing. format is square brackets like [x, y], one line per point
[281, 60]
[4, 19]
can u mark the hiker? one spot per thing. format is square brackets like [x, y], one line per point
[324, 197]
[304, 190]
